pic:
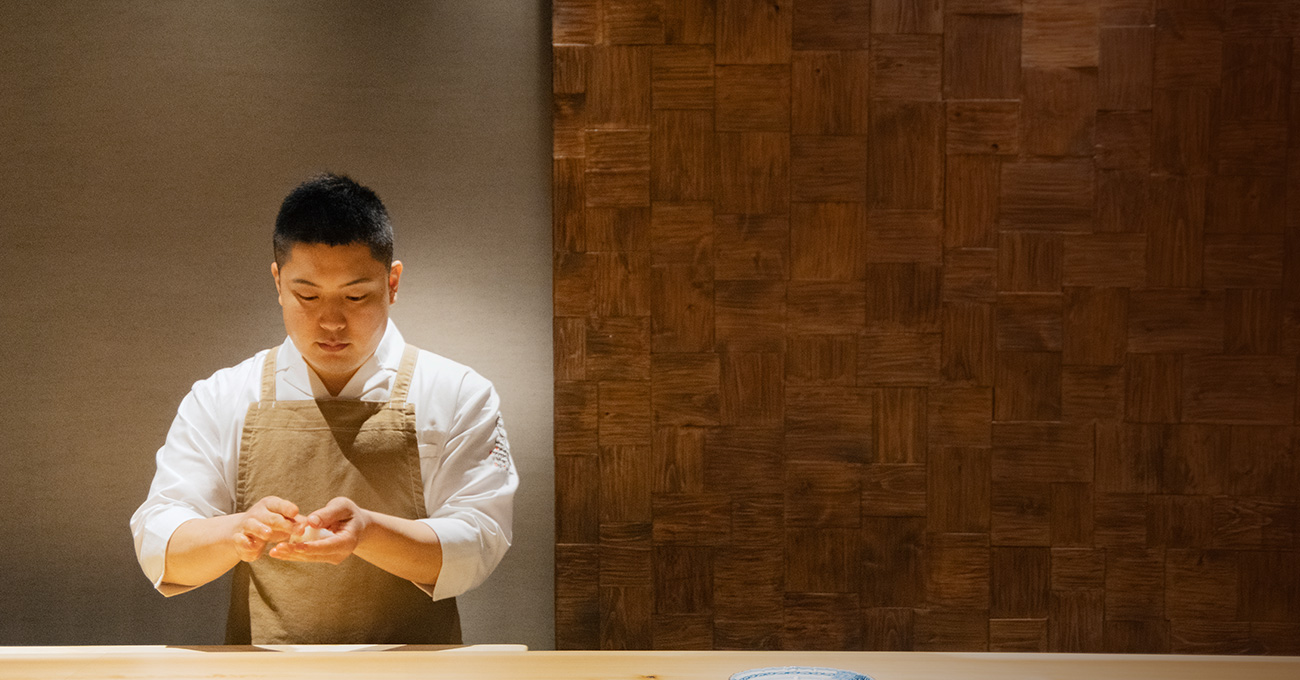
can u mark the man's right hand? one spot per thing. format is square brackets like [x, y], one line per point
[270, 520]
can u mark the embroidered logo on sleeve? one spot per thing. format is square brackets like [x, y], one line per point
[501, 446]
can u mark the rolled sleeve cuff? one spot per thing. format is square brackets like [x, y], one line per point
[461, 558]
[153, 549]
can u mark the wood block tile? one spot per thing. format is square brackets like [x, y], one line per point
[691, 519]
[828, 168]
[1021, 582]
[685, 388]
[682, 234]
[1042, 452]
[569, 65]
[618, 86]
[822, 495]
[1239, 389]
[568, 190]
[575, 419]
[1075, 621]
[1017, 635]
[941, 629]
[1256, 17]
[1196, 460]
[1261, 461]
[617, 230]
[575, 21]
[831, 25]
[1092, 392]
[678, 454]
[1121, 521]
[1255, 76]
[749, 316]
[905, 155]
[754, 31]
[577, 596]
[1201, 584]
[822, 621]
[825, 306]
[618, 348]
[983, 127]
[829, 92]
[900, 425]
[906, 67]
[748, 583]
[971, 207]
[752, 389]
[753, 173]
[905, 236]
[682, 631]
[682, 156]
[752, 247]
[1277, 638]
[899, 359]
[1027, 386]
[1078, 569]
[970, 275]
[1188, 49]
[1249, 148]
[982, 7]
[1125, 201]
[1135, 584]
[1246, 205]
[1059, 108]
[822, 560]
[1246, 523]
[683, 579]
[1105, 259]
[688, 22]
[1030, 262]
[625, 413]
[903, 296]
[1268, 587]
[625, 476]
[959, 416]
[893, 561]
[625, 554]
[958, 577]
[569, 123]
[1175, 320]
[634, 22]
[959, 490]
[828, 424]
[967, 354]
[757, 520]
[907, 16]
[1125, 12]
[617, 188]
[681, 309]
[623, 285]
[753, 98]
[828, 240]
[981, 58]
[1123, 140]
[1051, 195]
[570, 348]
[1190, 636]
[1243, 261]
[890, 490]
[1095, 326]
[747, 634]
[577, 499]
[1124, 71]
[625, 613]
[1137, 463]
[821, 359]
[888, 628]
[1021, 514]
[1137, 637]
[1179, 521]
[1029, 321]
[741, 458]
[1182, 124]
[682, 77]
[1060, 34]
[1152, 385]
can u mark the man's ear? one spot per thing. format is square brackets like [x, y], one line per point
[394, 277]
[275, 274]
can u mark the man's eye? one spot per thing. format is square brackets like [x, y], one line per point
[356, 298]
[306, 297]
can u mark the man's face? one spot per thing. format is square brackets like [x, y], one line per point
[335, 301]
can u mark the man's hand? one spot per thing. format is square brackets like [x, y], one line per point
[270, 520]
[348, 522]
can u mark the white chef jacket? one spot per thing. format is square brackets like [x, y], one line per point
[468, 474]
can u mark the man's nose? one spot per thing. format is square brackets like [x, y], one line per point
[332, 318]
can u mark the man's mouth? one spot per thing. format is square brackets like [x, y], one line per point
[332, 346]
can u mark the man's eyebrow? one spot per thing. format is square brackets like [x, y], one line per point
[305, 282]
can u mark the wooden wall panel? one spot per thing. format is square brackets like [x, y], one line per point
[927, 325]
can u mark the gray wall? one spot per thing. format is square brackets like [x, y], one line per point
[144, 149]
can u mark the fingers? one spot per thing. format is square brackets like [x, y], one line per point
[279, 506]
[331, 549]
[335, 512]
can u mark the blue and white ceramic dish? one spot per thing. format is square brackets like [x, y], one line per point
[798, 673]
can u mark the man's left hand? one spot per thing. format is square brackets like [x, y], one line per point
[343, 517]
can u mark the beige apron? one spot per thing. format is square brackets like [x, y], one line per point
[309, 452]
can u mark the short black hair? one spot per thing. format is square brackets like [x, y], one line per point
[336, 211]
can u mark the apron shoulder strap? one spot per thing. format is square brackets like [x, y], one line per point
[268, 375]
[404, 372]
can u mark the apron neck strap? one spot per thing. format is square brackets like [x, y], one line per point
[268, 374]
[404, 372]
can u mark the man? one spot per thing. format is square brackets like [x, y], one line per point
[355, 483]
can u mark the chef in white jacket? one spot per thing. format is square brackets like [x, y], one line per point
[356, 484]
